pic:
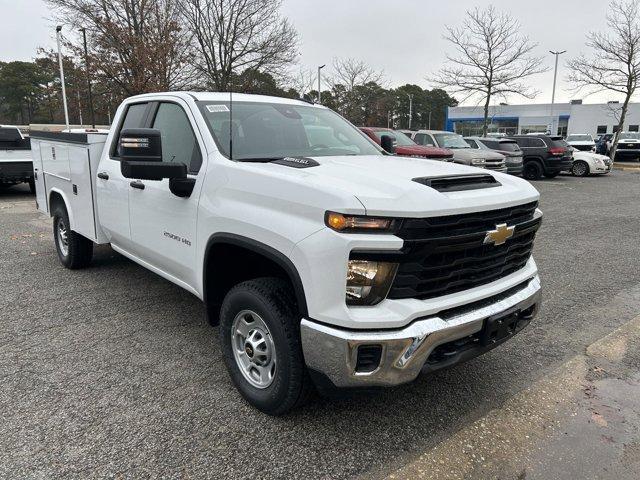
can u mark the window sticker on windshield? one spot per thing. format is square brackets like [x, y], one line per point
[217, 108]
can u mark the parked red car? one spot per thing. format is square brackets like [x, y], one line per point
[407, 147]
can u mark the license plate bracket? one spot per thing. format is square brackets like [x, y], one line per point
[500, 327]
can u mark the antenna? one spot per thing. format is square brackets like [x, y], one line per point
[230, 121]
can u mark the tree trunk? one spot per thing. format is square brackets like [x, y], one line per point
[623, 117]
[485, 123]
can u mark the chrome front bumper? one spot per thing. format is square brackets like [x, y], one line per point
[333, 352]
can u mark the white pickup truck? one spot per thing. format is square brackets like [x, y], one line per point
[324, 260]
[15, 158]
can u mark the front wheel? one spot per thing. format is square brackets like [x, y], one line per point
[260, 336]
[74, 250]
[580, 169]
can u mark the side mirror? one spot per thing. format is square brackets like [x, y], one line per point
[388, 143]
[140, 144]
[141, 156]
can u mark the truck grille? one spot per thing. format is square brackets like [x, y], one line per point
[444, 255]
[494, 165]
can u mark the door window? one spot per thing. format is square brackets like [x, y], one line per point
[423, 139]
[472, 143]
[179, 144]
[523, 142]
[133, 118]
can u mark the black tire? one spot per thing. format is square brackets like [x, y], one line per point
[551, 174]
[78, 251]
[271, 299]
[532, 171]
[32, 185]
[580, 168]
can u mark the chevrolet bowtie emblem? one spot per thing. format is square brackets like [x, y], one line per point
[500, 235]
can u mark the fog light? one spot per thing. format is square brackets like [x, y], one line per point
[368, 282]
[368, 359]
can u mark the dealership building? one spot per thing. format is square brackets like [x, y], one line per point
[565, 118]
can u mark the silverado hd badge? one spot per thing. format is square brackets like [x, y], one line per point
[500, 235]
[296, 162]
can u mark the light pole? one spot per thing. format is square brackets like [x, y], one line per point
[319, 87]
[553, 92]
[410, 108]
[64, 90]
[86, 64]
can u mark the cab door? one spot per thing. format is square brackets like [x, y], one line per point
[163, 225]
[112, 189]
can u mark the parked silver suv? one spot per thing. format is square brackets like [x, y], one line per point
[509, 148]
[462, 152]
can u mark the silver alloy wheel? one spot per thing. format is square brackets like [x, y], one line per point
[63, 239]
[579, 169]
[253, 348]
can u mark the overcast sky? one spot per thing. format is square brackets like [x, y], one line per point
[401, 37]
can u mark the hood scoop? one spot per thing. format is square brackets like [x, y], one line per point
[458, 183]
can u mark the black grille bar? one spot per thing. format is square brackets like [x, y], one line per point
[444, 255]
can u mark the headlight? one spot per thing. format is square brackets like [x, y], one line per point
[368, 282]
[358, 223]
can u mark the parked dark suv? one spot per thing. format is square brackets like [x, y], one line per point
[544, 155]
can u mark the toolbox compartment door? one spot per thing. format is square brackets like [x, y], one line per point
[38, 175]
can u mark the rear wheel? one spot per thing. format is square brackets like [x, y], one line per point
[532, 171]
[74, 250]
[260, 336]
[580, 169]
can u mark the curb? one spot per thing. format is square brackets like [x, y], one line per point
[627, 169]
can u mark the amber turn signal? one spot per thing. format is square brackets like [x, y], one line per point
[351, 223]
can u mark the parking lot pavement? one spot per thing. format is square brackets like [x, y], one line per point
[112, 371]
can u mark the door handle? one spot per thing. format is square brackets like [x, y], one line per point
[103, 175]
[137, 184]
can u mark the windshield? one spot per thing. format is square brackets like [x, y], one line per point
[401, 139]
[264, 131]
[630, 135]
[450, 140]
[579, 138]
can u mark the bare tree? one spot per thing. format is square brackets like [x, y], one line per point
[351, 72]
[491, 59]
[136, 45]
[236, 35]
[615, 64]
[303, 80]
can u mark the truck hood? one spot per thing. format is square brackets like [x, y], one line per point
[467, 154]
[385, 185]
[424, 151]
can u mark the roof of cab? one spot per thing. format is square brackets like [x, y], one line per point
[224, 97]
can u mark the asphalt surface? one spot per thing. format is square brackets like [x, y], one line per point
[113, 372]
